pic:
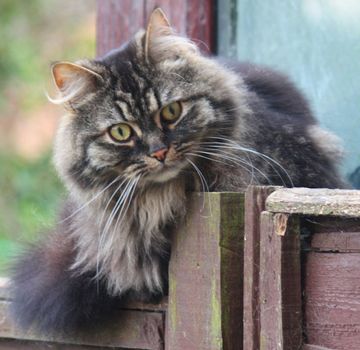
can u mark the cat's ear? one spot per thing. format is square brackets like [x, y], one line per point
[75, 82]
[158, 27]
[161, 42]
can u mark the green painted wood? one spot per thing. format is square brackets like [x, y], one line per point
[205, 283]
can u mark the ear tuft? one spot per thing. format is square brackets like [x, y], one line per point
[74, 82]
[158, 26]
[162, 43]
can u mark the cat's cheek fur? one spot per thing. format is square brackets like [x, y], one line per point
[63, 154]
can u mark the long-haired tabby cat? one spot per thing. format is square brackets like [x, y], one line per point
[146, 124]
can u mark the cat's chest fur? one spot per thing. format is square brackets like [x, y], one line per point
[125, 249]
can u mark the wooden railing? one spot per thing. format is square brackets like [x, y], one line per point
[302, 269]
[288, 278]
[204, 306]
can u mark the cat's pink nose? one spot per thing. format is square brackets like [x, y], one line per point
[160, 154]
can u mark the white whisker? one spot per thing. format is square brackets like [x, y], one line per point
[204, 183]
[109, 201]
[103, 235]
[232, 144]
[237, 160]
[90, 201]
[122, 213]
[226, 163]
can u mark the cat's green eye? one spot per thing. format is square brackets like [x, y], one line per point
[171, 112]
[120, 132]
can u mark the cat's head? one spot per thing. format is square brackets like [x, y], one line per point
[142, 111]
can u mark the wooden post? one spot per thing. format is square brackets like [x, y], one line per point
[254, 204]
[280, 283]
[205, 292]
[331, 284]
[119, 20]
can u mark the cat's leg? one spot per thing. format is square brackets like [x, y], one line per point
[52, 298]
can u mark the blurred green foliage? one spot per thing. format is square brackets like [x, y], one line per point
[17, 52]
[33, 34]
[30, 193]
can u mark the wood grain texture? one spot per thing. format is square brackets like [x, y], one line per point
[280, 285]
[332, 294]
[314, 347]
[345, 203]
[254, 204]
[205, 293]
[14, 344]
[119, 20]
[340, 242]
[132, 329]
[330, 224]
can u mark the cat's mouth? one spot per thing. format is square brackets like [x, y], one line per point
[166, 171]
[167, 168]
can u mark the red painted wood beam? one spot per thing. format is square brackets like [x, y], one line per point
[118, 20]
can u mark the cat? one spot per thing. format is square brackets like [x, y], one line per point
[147, 124]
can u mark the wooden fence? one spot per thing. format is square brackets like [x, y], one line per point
[274, 269]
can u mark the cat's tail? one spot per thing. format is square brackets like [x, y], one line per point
[50, 297]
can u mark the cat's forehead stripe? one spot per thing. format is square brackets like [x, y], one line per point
[152, 101]
[135, 94]
[124, 110]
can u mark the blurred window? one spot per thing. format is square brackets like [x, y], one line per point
[316, 42]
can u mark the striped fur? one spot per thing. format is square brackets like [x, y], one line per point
[240, 124]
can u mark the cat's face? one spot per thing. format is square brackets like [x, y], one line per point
[141, 111]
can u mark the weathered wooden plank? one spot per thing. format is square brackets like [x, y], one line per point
[191, 18]
[14, 344]
[231, 243]
[331, 224]
[342, 242]
[314, 347]
[332, 294]
[132, 329]
[201, 24]
[205, 284]
[345, 203]
[254, 204]
[280, 284]
[118, 20]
